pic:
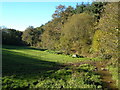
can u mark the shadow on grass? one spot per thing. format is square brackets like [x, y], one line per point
[21, 47]
[23, 65]
[36, 49]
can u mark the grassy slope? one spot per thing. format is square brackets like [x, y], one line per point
[38, 54]
[25, 67]
[115, 76]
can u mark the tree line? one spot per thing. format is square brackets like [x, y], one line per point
[90, 30]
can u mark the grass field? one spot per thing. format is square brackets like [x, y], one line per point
[27, 67]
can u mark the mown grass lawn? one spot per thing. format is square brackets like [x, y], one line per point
[26, 67]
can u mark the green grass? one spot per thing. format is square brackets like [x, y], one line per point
[27, 67]
[44, 55]
[114, 71]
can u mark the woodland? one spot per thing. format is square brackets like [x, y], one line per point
[89, 31]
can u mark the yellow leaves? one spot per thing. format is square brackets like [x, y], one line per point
[95, 44]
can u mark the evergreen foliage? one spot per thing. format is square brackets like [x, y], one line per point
[11, 37]
[87, 30]
[32, 35]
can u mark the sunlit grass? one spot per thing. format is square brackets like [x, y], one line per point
[114, 72]
[26, 67]
[45, 55]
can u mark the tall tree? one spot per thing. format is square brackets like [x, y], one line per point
[77, 33]
[107, 41]
[59, 11]
[11, 37]
[32, 35]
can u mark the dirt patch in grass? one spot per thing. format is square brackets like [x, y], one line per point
[106, 77]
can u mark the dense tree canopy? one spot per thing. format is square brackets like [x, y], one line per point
[77, 32]
[11, 37]
[32, 35]
[106, 37]
[85, 30]
[88, 31]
